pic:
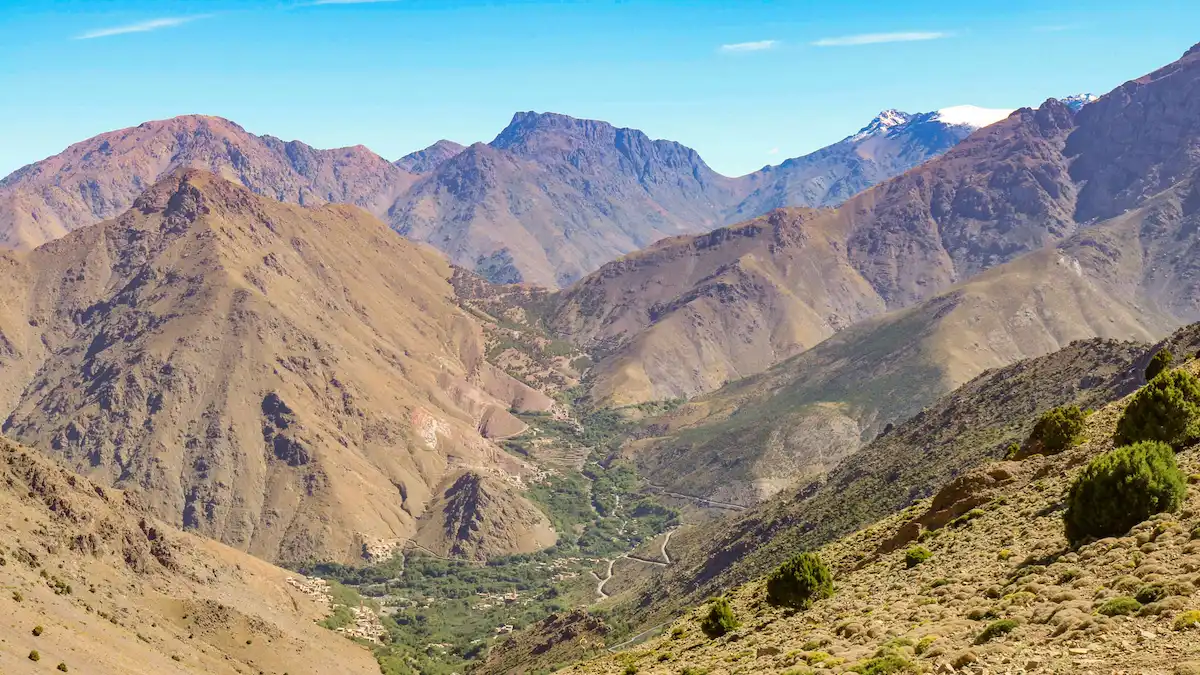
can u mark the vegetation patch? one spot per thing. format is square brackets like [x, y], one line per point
[1120, 606]
[916, 555]
[995, 630]
[1056, 430]
[800, 582]
[1120, 489]
[1166, 410]
[1160, 363]
[720, 619]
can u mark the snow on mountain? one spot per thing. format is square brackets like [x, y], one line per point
[971, 116]
[1077, 101]
[883, 122]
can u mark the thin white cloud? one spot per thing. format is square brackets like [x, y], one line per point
[142, 27]
[773, 151]
[761, 45]
[879, 38]
[346, 2]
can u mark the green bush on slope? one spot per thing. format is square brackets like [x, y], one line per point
[1120, 489]
[1056, 430]
[1166, 410]
[720, 619]
[1160, 362]
[800, 581]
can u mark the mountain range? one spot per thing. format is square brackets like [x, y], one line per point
[545, 362]
[1047, 227]
[550, 199]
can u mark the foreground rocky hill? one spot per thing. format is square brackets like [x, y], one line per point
[295, 382]
[94, 582]
[978, 578]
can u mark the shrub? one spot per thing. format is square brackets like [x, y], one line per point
[631, 669]
[1120, 606]
[995, 630]
[37, 630]
[62, 666]
[925, 643]
[1165, 410]
[916, 555]
[884, 665]
[1187, 620]
[35, 656]
[800, 582]
[720, 619]
[1120, 489]
[1160, 362]
[1056, 430]
[1150, 593]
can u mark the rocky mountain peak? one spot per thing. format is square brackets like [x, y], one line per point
[883, 123]
[430, 158]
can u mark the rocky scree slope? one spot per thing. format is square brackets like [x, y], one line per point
[996, 551]
[295, 382]
[93, 581]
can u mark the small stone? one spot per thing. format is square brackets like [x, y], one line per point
[1078, 651]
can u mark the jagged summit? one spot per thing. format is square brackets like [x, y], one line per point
[883, 123]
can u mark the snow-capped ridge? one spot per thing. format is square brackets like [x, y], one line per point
[1077, 101]
[971, 116]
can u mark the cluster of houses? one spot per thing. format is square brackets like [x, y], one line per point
[366, 626]
[490, 600]
[317, 589]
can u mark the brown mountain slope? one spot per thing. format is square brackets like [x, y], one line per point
[801, 418]
[102, 176]
[997, 549]
[476, 518]
[1002, 192]
[116, 592]
[291, 381]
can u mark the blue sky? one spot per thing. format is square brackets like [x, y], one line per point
[746, 83]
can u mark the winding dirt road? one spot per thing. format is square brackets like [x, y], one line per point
[666, 560]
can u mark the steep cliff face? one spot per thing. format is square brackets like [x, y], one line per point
[291, 381]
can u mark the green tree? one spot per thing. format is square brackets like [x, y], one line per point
[1160, 362]
[720, 619]
[1120, 489]
[800, 582]
[1056, 430]
[1165, 410]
